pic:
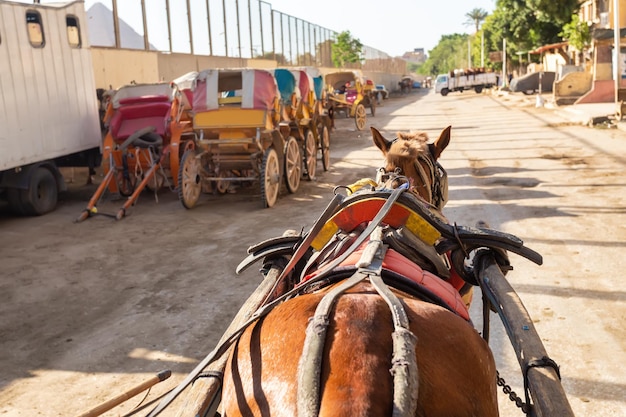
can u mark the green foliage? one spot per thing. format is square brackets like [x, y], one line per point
[476, 17]
[346, 49]
[450, 53]
[576, 33]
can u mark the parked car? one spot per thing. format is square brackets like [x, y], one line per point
[417, 84]
[529, 83]
[383, 91]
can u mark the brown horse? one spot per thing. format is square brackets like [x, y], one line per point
[359, 346]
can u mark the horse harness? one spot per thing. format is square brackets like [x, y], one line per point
[369, 267]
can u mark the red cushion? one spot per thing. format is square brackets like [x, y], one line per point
[130, 118]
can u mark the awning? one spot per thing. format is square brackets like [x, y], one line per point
[545, 48]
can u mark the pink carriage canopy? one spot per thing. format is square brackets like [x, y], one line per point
[305, 83]
[257, 88]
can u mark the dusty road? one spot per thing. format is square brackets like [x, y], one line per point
[89, 310]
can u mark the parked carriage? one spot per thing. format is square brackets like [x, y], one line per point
[318, 110]
[237, 137]
[350, 93]
[299, 120]
[141, 146]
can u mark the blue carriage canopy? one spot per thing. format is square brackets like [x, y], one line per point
[257, 88]
[286, 84]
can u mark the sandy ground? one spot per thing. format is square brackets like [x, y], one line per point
[89, 310]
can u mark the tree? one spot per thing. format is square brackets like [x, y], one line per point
[450, 53]
[346, 49]
[576, 33]
[475, 17]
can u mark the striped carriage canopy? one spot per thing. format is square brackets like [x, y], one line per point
[146, 92]
[287, 84]
[305, 82]
[318, 80]
[257, 88]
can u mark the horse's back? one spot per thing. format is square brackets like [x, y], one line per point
[456, 368]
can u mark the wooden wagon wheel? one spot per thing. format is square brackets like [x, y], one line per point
[293, 164]
[359, 116]
[325, 147]
[189, 179]
[310, 154]
[270, 178]
[125, 182]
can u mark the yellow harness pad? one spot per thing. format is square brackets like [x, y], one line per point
[365, 210]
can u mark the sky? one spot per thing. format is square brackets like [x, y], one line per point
[392, 26]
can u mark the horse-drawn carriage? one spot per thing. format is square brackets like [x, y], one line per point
[301, 125]
[236, 119]
[379, 283]
[350, 93]
[145, 130]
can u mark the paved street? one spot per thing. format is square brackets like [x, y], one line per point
[89, 310]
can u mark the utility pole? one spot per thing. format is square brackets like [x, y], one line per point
[482, 49]
[616, 52]
[505, 81]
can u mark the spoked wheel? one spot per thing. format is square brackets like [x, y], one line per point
[156, 182]
[125, 182]
[222, 186]
[359, 116]
[189, 179]
[325, 147]
[270, 178]
[310, 154]
[293, 164]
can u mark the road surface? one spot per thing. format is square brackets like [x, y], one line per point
[90, 310]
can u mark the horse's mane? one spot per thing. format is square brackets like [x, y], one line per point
[407, 147]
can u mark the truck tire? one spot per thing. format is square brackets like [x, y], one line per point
[478, 89]
[40, 197]
[444, 92]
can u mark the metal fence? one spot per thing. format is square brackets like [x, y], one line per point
[230, 28]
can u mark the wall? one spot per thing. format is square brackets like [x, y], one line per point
[117, 67]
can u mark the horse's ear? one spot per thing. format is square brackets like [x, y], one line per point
[442, 142]
[382, 143]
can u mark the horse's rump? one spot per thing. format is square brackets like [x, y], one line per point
[455, 364]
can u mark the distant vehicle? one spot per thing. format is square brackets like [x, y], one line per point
[529, 83]
[458, 80]
[417, 84]
[382, 90]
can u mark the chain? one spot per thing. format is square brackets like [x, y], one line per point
[512, 394]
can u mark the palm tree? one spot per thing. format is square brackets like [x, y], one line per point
[475, 17]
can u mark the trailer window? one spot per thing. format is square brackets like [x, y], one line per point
[73, 32]
[35, 29]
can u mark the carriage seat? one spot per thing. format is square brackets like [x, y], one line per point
[136, 113]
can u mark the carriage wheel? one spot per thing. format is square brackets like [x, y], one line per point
[325, 147]
[189, 179]
[293, 164]
[270, 178]
[156, 182]
[222, 186]
[359, 116]
[125, 182]
[310, 154]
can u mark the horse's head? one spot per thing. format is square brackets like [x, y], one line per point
[410, 155]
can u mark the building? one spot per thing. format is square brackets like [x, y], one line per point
[600, 16]
[417, 56]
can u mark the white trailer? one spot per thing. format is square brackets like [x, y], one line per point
[48, 105]
[461, 81]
